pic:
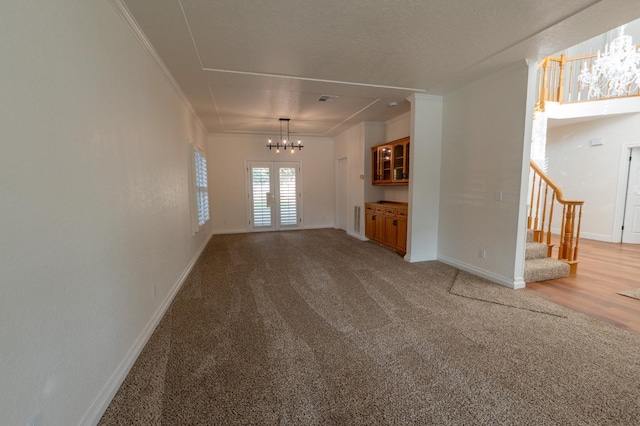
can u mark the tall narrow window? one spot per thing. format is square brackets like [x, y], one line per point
[202, 191]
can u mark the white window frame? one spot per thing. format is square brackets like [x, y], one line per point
[200, 188]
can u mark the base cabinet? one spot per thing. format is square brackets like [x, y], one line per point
[386, 223]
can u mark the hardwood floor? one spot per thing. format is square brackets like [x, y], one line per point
[604, 270]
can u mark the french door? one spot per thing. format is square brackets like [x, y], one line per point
[274, 195]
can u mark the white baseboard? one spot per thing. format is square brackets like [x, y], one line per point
[100, 404]
[514, 283]
[415, 258]
[327, 226]
[597, 237]
[246, 231]
[229, 231]
[589, 236]
[357, 236]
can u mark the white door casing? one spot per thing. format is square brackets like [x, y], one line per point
[631, 223]
[343, 210]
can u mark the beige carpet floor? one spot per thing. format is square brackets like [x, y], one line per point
[633, 293]
[317, 328]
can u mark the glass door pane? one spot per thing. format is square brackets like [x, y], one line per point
[262, 197]
[288, 199]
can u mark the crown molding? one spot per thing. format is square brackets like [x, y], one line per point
[127, 17]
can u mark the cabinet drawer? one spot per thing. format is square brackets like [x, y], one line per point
[370, 209]
[401, 213]
[388, 211]
[379, 209]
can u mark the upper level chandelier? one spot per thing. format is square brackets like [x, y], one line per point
[284, 142]
[616, 72]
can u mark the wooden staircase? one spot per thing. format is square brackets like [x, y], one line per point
[540, 267]
[546, 197]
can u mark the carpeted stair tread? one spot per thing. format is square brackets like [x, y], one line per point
[535, 251]
[545, 269]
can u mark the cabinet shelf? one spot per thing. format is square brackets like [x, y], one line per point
[390, 163]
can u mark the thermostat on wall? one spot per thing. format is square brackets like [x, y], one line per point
[596, 142]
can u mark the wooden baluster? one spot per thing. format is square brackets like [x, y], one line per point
[544, 212]
[536, 230]
[553, 201]
[533, 186]
[570, 81]
[561, 247]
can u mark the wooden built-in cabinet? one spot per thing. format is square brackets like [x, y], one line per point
[386, 223]
[390, 163]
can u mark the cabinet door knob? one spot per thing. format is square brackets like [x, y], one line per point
[395, 222]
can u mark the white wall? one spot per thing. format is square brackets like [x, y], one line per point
[94, 206]
[398, 127]
[485, 138]
[592, 173]
[350, 145]
[355, 145]
[227, 190]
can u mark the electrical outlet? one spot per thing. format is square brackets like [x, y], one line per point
[36, 419]
[482, 254]
[153, 287]
[498, 195]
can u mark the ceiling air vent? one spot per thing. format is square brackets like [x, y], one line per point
[327, 98]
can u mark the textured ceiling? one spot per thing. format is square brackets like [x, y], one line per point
[245, 63]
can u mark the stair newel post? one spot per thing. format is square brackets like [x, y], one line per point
[572, 233]
[563, 60]
[574, 266]
[561, 247]
[568, 232]
[545, 84]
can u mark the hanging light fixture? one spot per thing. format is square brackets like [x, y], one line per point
[615, 72]
[285, 142]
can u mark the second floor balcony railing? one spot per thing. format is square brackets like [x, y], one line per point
[558, 81]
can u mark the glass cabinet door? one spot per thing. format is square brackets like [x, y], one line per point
[385, 153]
[390, 163]
[398, 162]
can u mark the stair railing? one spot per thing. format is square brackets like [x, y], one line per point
[545, 195]
[558, 81]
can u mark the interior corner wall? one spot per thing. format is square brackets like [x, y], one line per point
[591, 173]
[95, 222]
[227, 179]
[483, 147]
[355, 144]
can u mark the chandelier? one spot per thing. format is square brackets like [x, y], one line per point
[284, 142]
[616, 72]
